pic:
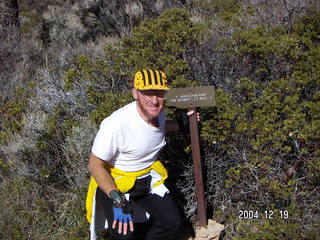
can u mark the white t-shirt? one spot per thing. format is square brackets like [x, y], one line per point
[128, 142]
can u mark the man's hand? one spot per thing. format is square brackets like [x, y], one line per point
[122, 212]
[192, 112]
[182, 122]
[122, 218]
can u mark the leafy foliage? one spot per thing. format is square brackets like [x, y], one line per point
[160, 43]
[267, 125]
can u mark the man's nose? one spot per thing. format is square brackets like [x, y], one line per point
[154, 99]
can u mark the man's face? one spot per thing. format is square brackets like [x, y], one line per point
[150, 102]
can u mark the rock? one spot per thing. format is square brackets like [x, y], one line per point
[211, 232]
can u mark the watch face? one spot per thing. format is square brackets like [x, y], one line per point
[116, 197]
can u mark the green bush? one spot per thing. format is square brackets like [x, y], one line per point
[39, 211]
[12, 110]
[267, 123]
[161, 43]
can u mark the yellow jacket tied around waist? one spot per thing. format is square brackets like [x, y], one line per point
[124, 182]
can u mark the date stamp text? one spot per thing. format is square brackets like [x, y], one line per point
[267, 214]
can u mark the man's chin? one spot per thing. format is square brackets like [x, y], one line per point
[153, 115]
[154, 112]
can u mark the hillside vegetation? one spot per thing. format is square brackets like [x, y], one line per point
[71, 65]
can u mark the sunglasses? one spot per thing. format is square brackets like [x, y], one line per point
[149, 94]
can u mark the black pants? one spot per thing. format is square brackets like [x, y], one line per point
[163, 224]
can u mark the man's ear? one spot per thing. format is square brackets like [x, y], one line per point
[134, 93]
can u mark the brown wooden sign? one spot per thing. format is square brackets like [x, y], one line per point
[191, 97]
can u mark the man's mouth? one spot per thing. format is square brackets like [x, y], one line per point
[153, 108]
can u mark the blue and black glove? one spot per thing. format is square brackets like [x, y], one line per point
[119, 215]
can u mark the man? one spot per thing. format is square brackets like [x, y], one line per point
[127, 179]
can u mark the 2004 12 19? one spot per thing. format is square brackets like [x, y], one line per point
[267, 214]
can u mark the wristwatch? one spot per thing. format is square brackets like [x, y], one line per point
[118, 198]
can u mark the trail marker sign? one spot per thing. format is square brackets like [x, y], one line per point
[192, 98]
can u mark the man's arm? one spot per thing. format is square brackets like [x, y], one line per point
[98, 170]
[174, 126]
[171, 126]
[105, 181]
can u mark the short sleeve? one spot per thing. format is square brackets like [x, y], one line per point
[105, 145]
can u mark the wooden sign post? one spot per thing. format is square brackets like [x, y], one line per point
[191, 98]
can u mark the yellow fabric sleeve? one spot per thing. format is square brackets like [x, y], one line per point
[90, 196]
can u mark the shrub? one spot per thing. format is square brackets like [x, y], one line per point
[265, 127]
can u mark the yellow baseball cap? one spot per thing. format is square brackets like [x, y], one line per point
[150, 80]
